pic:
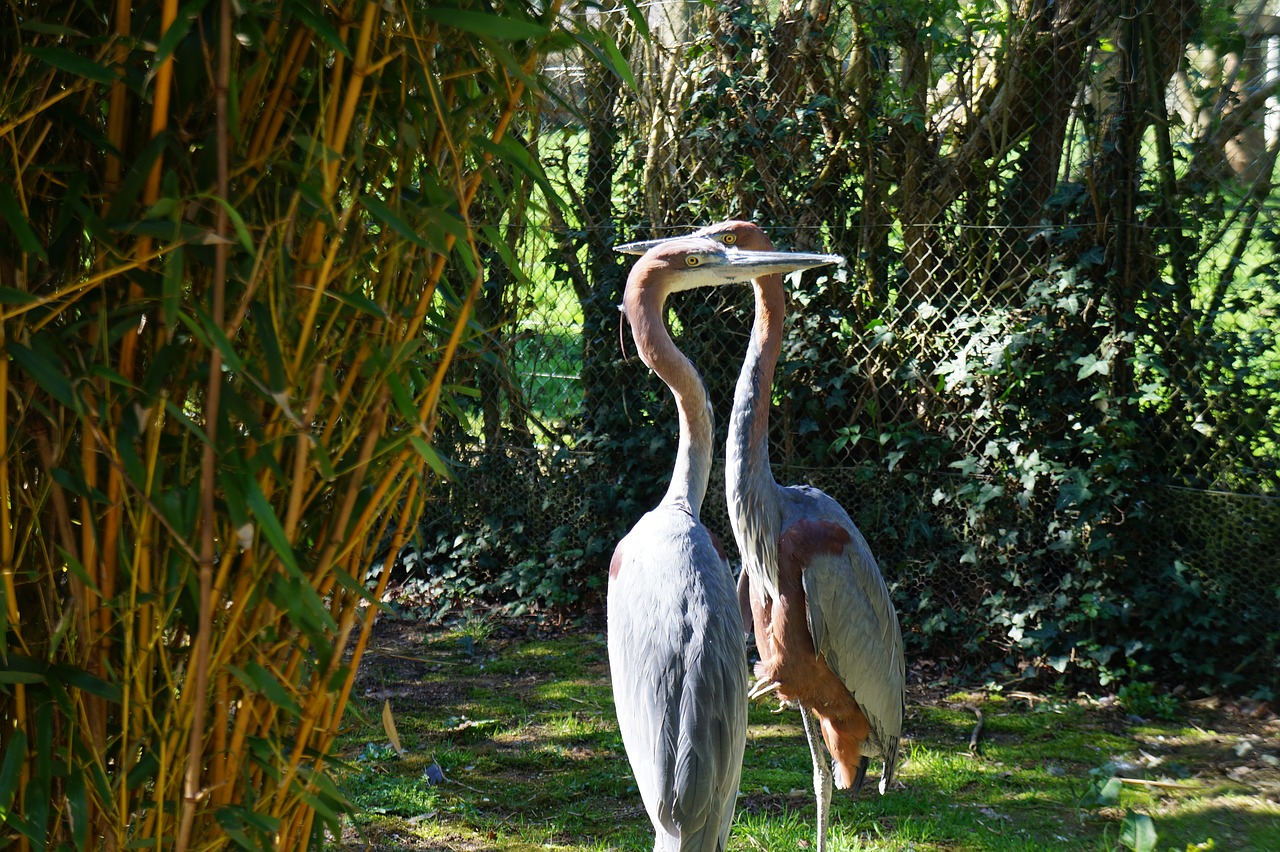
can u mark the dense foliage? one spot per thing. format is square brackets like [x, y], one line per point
[239, 253]
[1056, 324]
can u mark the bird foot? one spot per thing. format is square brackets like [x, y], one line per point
[763, 687]
[783, 706]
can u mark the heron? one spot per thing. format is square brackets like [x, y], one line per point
[676, 653]
[825, 627]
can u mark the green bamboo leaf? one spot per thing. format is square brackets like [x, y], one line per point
[234, 819]
[82, 680]
[237, 222]
[493, 237]
[360, 302]
[320, 800]
[171, 286]
[77, 485]
[12, 212]
[292, 594]
[73, 63]
[270, 355]
[403, 400]
[638, 18]
[8, 675]
[510, 63]
[47, 373]
[45, 28]
[510, 151]
[211, 336]
[180, 417]
[486, 25]
[270, 525]
[167, 230]
[308, 13]
[178, 29]
[604, 49]
[255, 676]
[430, 455]
[386, 216]
[15, 754]
[356, 586]
[78, 808]
[617, 62]
[40, 784]
[122, 203]
[13, 296]
[320, 454]
[231, 827]
[143, 771]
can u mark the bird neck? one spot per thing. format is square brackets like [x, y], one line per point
[752, 492]
[692, 469]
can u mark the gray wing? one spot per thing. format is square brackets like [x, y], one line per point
[855, 627]
[679, 680]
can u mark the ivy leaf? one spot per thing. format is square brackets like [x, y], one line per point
[1090, 364]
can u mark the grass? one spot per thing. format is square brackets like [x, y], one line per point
[521, 724]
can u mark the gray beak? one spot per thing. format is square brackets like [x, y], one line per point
[642, 246]
[759, 263]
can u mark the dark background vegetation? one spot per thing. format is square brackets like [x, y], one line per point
[1047, 382]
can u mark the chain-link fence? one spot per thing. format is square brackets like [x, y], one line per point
[1047, 381]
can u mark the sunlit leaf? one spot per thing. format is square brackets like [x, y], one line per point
[389, 725]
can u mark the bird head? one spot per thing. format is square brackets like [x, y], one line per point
[684, 263]
[733, 233]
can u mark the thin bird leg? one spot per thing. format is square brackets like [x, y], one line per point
[821, 775]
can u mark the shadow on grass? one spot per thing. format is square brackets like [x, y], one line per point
[525, 733]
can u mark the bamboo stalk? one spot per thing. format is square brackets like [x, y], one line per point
[191, 789]
[116, 111]
[473, 184]
[301, 478]
[106, 574]
[139, 627]
[274, 110]
[337, 529]
[338, 131]
[12, 613]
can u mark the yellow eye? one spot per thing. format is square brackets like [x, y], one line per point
[692, 260]
[729, 239]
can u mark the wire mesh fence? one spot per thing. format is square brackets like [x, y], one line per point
[1046, 379]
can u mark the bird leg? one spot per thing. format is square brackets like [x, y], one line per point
[821, 775]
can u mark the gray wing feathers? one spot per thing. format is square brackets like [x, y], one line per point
[680, 682]
[855, 627]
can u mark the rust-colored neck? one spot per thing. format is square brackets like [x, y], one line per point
[750, 489]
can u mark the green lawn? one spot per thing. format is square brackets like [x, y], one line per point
[520, 722]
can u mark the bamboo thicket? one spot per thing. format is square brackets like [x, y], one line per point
[236, 261]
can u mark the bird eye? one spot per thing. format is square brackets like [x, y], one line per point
[729, 239]
[692, 260]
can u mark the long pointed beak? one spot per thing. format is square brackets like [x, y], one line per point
[760, 263]
[642, 246]
[733, 265]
